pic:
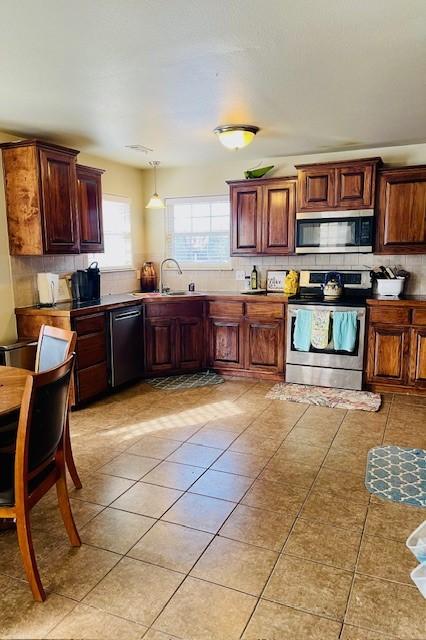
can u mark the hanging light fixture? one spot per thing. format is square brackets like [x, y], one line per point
[155, 201]
[236, 136]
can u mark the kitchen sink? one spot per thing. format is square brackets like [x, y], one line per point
[168, 294]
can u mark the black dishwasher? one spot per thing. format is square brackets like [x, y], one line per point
[125, 344]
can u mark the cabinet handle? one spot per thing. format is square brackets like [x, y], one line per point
[123, 316]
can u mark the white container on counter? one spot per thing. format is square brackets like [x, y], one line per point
[391, 287]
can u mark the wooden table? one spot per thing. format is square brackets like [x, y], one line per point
[12, 383]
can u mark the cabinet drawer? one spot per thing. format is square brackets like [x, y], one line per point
[89, 324]
[264, 310]
[91, 349]
[419, 317]
[173, 309]
[390, 315]
[226, 309]
[92, 381]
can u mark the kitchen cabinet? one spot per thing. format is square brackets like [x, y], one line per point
[89, 201]
[396, 347]
[247, 337]
[91, 366]
[401, 213]
[174, 337]
[262, 216]
[337, 185]
[53, 207]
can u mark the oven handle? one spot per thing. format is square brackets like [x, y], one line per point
[360, 312]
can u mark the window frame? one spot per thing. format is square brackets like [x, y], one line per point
[189, 265]
[94, 256]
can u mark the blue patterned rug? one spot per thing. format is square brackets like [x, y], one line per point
[185, 381]
[397, 474]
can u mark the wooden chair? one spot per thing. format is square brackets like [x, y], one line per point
[54, 347]
[37, 463]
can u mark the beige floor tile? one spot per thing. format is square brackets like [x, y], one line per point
[250, 443]
[296, 452]
[259, 527]
[101, 489]
[73, 572]
[342, 484]
[218, 484]
[135, 590]
[153, 634]
[115, 530]
[46, 514]
[129, 466]
[179, 432]
[273, 621]
[387, 607]
[349, 439]
[316, 438]
[195, 455]
[353, 460]
[392, 520]
[275, 497]
[213, 437]
[244, 464]
[355, 633]
[88, 623]
[236, 565]
[153, 447]
[389, 559]
[288, 473]
[171, 546]
[204, 611]
[310, 586]
[199, 512]
[147, 499]
[322, 543]
[321, 507]
[173, 475]
[22, 617]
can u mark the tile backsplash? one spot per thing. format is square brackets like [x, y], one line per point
[225, 280]
[25, 269]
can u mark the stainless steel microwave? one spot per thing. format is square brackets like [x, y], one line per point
[335, 231]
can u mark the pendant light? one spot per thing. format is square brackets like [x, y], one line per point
[155, 201]
[236, 136]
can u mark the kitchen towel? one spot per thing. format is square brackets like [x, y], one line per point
[302, 330]
[320, 329]
[344, 330]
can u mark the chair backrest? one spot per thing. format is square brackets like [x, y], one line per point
[54, 347]
[42, 419]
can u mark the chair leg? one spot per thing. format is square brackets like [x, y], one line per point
[65, 508]
[70, 459]
[28, 556]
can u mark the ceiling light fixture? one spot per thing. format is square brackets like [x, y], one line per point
[236, 136]
[155, 200]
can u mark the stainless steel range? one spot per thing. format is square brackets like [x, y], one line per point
[328, 367]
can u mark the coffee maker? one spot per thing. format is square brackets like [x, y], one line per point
[86, 283]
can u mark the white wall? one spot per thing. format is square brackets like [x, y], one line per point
[211, 180]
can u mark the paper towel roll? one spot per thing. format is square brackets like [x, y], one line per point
[48, 285]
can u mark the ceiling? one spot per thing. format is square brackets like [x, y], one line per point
[314, 75]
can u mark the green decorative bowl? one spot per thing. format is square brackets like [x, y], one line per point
[252, 174]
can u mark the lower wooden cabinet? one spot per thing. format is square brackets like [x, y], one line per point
[91, 367]
[417, 376]
[160, 341]
[226, 345]
[387, 354]
[190, 343]
[265, 345]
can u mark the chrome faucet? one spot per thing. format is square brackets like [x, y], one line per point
[161, 288]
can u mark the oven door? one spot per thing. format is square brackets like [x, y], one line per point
[334, 232]
[327, 358]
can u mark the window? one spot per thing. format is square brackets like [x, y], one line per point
[198, 231]
[117, 234]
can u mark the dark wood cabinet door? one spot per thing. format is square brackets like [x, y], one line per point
[387, 359]
[278, 217]
[190, 343]
[160, 344]
[58, 189]
[246, 203]
[401, 216]
[355, 186]
[226, 346]
[89, 200]
[418, 357]
[264, 345]
[316, 188]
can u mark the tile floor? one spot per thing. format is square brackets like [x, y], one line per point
[216, 514]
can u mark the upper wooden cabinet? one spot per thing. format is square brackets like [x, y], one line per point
[401, 215]
[262, 216]
[49, 211]
[337, 185]
[89, 201]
